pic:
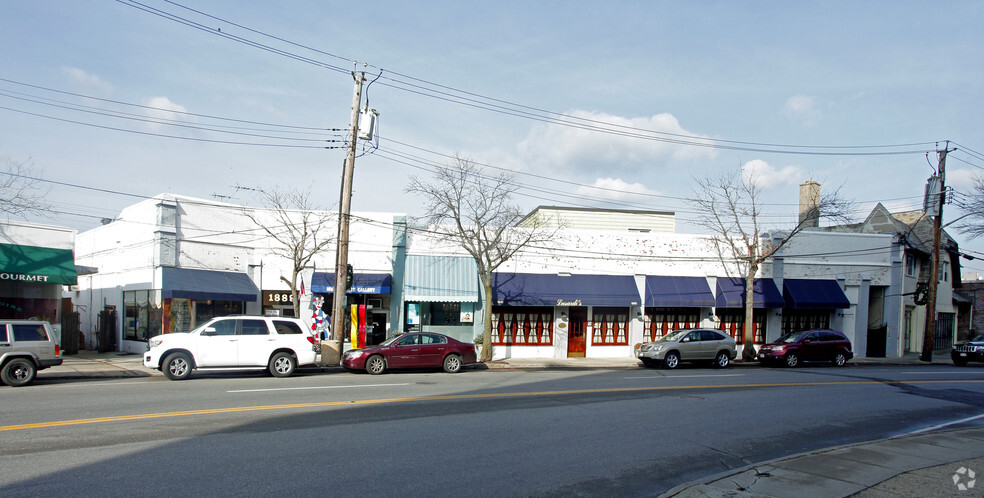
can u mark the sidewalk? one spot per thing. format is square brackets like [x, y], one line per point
[928, 464]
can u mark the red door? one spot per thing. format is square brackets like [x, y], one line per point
[576, 336]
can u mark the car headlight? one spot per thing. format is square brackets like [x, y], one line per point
[155, 341]
[353, 354]
[658, 348]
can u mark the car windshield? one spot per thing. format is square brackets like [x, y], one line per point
[791, 337]
[674, 336]
[977, 338]
[391, 340]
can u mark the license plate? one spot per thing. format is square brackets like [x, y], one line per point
[963, 354]
[761, 355]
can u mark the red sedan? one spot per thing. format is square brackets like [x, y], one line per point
[412, 350]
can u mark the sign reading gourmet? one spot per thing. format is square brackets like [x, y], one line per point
[535, 289]
[45, 265]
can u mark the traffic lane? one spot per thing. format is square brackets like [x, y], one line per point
[236, 389]
[629, 442]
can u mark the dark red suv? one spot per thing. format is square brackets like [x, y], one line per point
[824, 345]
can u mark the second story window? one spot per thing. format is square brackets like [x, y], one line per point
[910, 265]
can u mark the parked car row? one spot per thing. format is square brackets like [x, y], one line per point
[281, 345]
[717, 348]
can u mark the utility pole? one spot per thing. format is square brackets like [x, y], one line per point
[344, 210]
[934, 267]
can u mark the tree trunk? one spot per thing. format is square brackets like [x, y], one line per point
[748, 351]
[487, 316]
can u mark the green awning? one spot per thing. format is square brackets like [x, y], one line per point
[44, 265]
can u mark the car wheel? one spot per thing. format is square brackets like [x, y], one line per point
[722, 360]
[376, 364]
[792, 360]
[18, 372]
[282, 364]
[177, 366]
[452, 363]
[839, 360]
[671, 360]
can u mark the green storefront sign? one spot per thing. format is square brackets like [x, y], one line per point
[37, 264]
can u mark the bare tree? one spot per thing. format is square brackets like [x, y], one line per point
[21, 192]
[729, 207]
[971, 223]
[299, 228]
[475, 210]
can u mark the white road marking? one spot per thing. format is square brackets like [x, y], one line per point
[916, 372]
[314, 387]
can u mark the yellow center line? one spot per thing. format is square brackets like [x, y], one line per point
[294, 406]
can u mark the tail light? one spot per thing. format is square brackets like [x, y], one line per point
[57, 350]
[310, 339]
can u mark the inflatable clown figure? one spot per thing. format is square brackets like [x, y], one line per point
[319, 326]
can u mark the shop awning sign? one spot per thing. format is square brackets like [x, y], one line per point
[45, 265]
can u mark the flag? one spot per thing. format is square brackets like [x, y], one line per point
[302, 286]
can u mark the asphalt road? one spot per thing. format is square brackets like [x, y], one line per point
[481, 432]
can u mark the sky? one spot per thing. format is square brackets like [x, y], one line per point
[619, 105]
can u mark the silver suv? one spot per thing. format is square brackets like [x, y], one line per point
[26, 346]
[688, 345]
[234, 342]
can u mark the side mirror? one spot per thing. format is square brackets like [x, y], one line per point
[209, 331]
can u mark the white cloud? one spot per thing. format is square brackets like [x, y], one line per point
[572, 148]
[164, 109]
[766, 176]
[614, 189]
[90, 82]
[802, 108]
[962, 178]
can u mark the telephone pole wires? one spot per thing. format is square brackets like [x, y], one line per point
[344, 210]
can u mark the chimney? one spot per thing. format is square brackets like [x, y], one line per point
[809, 204]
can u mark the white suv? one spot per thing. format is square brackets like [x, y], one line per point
[233, 342]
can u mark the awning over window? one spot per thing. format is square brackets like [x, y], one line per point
[678, 292]
[731, 293]
[441, 279]
[43, 265]
[813, 294]
[185, 283]
[534, 289]
[362, 283]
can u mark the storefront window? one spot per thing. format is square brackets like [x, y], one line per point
[435, 313]
[733, 323]
[611, 326]
[662, 321]
[205, 310]
[141, 314]
[796, 320]
[522, 326]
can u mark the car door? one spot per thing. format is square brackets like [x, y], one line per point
[432, 350]
[712, 342]
[811, 348]
[6, 345]
[690, 346]
[256, 343]
[217, 345]
[405, 353]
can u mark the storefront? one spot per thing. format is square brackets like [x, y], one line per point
[674, 303]
[810, 304]
[186, 299]
[730, 306]
[441, 294]
[563, 315]
[31, 280]
[367, 307]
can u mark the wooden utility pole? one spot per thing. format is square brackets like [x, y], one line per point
[934, 267]
[341, 255]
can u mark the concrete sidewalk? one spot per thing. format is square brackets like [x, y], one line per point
[929, 464]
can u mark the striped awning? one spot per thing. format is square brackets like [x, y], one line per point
[441, 279]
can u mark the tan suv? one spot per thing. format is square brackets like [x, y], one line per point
[26, 346]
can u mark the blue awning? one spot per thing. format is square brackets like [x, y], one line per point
[441, 279]
[185, 283]
[362, 283]
[813, 294]
[731, 293]
[534, 289]
[678, 292]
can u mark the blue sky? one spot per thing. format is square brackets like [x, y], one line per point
[787, 73]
